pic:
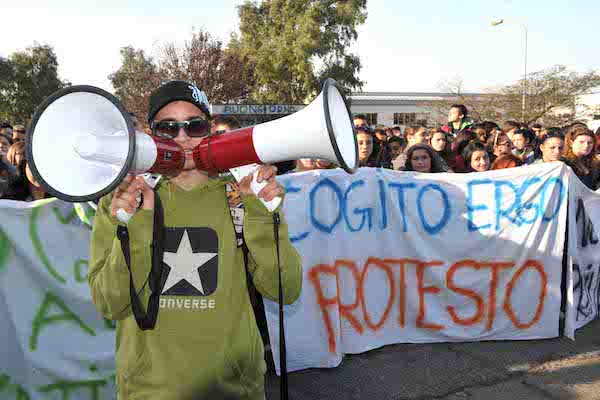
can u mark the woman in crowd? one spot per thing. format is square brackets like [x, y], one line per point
[462, 139]
[580, 155]
[419, 158]
[480, 132]
[309, 164]
[522, 141]
[507, 161]
[23, 186]
[476, 157]
[551, 146]
[441, 144]
[499, 144]
[365, 140]
[6, 168]
[396, 146]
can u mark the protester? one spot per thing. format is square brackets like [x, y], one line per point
[480, 132]
[499, 144]
[380, 133]
[309, 164]
[415, 134]
[420, 158]
[509, 128]
[580, 155]
[507, 161]
[551, 146]
[440, 142]
[476, 157]
[6, 129]
[136, 122]
[396, 146]
[20, 185]
[6, 168]
[457, 119]
[216, 341]
[397, 130]
[536, 129]
[361, 120]
[18, 133]
[461, 141]
[365, 140]
[522, 141]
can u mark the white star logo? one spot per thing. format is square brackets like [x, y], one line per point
[184, 265]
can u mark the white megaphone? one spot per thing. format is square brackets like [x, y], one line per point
[81, 143]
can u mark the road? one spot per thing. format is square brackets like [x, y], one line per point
[525, 370]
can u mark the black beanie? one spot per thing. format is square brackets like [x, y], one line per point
[177, 91]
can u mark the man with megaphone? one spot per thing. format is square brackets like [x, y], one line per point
[181, 254]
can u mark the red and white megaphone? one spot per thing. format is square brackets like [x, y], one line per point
[81, 143]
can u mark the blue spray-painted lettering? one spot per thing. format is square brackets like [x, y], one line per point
[502, 199]
[383, 201]
[561, 195]
[529, 205]
[366, 213]
[471, 208]
[436, 228]
[339, 197]
[288, 190]
[399, 187]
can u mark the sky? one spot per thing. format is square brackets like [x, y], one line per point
[405, 46]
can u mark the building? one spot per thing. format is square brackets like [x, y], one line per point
[388, 108]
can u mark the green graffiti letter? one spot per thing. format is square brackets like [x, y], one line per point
[79, 277]
[42, 320]
[37, 244]
[64, 220]
[5, 249]
[68, 387]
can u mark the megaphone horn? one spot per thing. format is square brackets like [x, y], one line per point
[323, 129]
[81, 144]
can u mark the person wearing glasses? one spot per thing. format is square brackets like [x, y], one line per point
[205, 331]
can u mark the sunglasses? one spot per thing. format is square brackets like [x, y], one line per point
[170, 129]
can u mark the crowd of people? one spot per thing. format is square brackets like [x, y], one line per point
[464, 146]
[461, 146]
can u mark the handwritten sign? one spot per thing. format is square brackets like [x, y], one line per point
[55, 344]
[583, 274]
[393, 257]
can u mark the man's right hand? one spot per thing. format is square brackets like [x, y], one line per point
[127, 193]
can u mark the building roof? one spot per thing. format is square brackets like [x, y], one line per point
[402, 96]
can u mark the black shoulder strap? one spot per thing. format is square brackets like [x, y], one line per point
[147, 319]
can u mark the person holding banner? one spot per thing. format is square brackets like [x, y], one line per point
[205, 333]
[551, 146]
[580, 155]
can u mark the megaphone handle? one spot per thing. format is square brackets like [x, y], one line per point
[124, 216]
[152, 181]
[256, 187]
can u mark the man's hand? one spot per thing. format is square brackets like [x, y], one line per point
[127, 193]
[265, 173]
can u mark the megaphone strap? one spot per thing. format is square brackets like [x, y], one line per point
[147, 319]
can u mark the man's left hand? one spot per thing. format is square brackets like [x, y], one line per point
[265, 173]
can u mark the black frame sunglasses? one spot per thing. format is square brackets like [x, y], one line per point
[197, 127]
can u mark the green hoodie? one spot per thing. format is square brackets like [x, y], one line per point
[206, 333]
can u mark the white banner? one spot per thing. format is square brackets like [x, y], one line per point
[54, 344]
[394, 257]
[583, 260]
[388, 257]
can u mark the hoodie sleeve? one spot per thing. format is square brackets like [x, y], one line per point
[108, 274]
[259, 237]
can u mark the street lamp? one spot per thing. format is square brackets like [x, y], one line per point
[496, 23]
